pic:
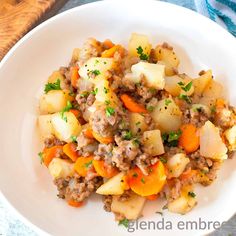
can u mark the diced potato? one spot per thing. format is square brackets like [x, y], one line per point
[153, 73]
[202, 82]
[213, 91]
[131, 209]
[98, 67]
[184, 203]
[172, 86]
[45, 126]
[230, 135]
[139, 40]
[206, 109]
[55, 76]
[59, 168]
[53, 101]
[176, 164]
[167, 116]
[113, 186]
[152, 142]
[65, 125]
[167, 57]
[137, 123]
[211, 144]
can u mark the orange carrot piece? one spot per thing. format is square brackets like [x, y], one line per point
[220, 103]
[108, 43]
[104, 170]
[111, 51]
[189, 139]
[152, 197]
[188, 174]
[88, 133]
[146, 185]
[131, 105]
[101, 139]
[74, 76]
[83, 165]
[70, 150]
[125, 183]
[74, 203]
[50, 153]
[75, 112]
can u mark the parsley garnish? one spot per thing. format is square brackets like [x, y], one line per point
[150, 108]
[95, 72]
[167, 102]
[163, 160]
[136, 142]
[191, 194]
[185, 98]
[213, 109]
[73, 138]
[171, 139]
[110, 111]
[88, 164]
[106, 90]
[142, 180]
[128, 135]
[124, 222]
[40, 154]
[95, 91]
[174, 135]
[135, 175]
[142, 55]
[107, 102]
[52, 86]
[66, 109]
[84, 94]
[137, 123]
[186, 87]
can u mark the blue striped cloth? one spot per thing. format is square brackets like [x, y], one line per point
[220, 11]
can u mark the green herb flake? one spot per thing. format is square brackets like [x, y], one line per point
[110, 111]
[106, 90]
[142, 55]
[142, 180]
[138, 123]
[135, 175]
[52, 86]
[163, 160]
[213, 109]
[73, 138]
[66, 109]
[40, 154]
[88, 164]
[95, 72]
[84, 94]
[128, 135]
[150, 108]
[186, 87]
[107, 102]
[185, 98]
[192, 194]
[174, 135]
[136, 141]
[124, 222]
[167, 102]
[95, 91]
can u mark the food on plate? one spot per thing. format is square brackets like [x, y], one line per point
[126, 124]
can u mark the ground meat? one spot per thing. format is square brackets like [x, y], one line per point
[77, 188]
[124, 153]
[197, 118]
[104, 151]
[145, 92]
[125, 196]
[225, 117]
[65, 71]
[175, 190]
[107, 200]
[127, 82]
[170, 151]
[50, 142]
[143, 161]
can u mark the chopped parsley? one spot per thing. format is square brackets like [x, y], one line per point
[107, 102]
[73, 138]
[192, 194]
[185, 98]
[110, 111]
[88, 164]
[106, 90]
[163, 160]
[136, 142]
[127, 135]
[171, 139]
[52, 86]
[137, 123]
[186, 87]
[66, 109]
[142, 180]
[124, 222]
[150, 108]
[95, 91]
[40, 154]
[95, 72]
[135, 175]
[213, 109]
[141, 54]
[84, 94]
[167, 102]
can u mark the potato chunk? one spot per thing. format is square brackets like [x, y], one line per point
[131, 209]
[176, 164]
[153, 73]
[201, 82]
[56, 75]
[45, 126]
[53, 101]
[113, 186]
[153, 142]
[230, 135]
[167, 115]
[59, 168]
[136, 41]
[65, 125]
[137, 123]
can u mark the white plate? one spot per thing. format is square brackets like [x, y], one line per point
[200, 44]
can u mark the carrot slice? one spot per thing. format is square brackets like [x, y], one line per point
[111, 51]
[82, 165]
[146, 185]
[88, 133]
[189, 139]
[125, 183]
[108, 43]
[75, 112]
[70, 150]
[152, 197]
[104, 170]
[74, 76]
[101, 139]
[131, 105]
[74, 203]
[188, 174]
[50, 153]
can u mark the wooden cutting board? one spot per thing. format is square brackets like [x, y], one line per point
[17, 17]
